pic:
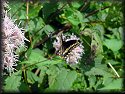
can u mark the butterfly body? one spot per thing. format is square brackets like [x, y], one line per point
[67, 47]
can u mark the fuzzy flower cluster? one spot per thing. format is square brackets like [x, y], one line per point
[75, 54]
[12, 39]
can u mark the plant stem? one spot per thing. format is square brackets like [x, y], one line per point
[114, 70]
[94, 12]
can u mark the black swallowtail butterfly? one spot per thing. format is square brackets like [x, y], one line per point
[67, 47]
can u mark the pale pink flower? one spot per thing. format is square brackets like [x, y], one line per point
[57, 44]
[12, 39]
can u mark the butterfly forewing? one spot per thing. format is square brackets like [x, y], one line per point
[68, 46]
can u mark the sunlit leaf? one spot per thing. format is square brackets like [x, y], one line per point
[12, 83]
[113, 44]
[63, 81]
[113, 85]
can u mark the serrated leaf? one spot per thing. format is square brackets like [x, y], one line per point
[107, 80]
[63, 81]
[97, 71]
[12, 83]
[115, 84]
[53, 71]
[98, 59]
[36, 55]
[113, 44]
[37, 58]
[70, 78]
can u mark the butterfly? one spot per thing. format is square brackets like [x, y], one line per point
[67, 46]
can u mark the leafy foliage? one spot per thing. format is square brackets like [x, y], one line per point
[99, 26]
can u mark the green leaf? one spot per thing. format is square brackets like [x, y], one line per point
[79, 16]
[37, 58]
[12, 83]
[48, 9]
[31, 77]
[35, 26]
[112, 62]
[80, 83]
[22, 14]
[39, 24]
[107, 80]
[63, 81]
[98, 59]
[42, 73]
[34, 10]
[76, 4]
[73, 16]
[31, 26]
[24, 88]
[115, 84]
[97, 71]
[92, 81]
[70, 78]
[99, 31]
[120, 29]
[97, 42]
[115, 19]
[113, 44]
[47, 29]
[73, 21]
[15, 7]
